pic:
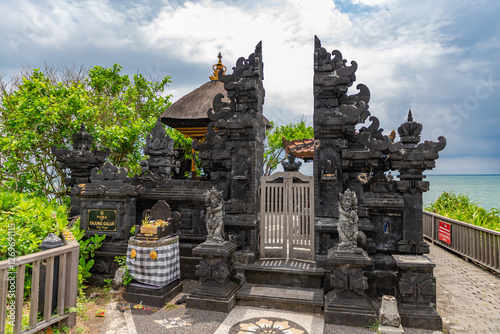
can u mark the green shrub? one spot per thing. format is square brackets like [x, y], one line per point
[461, 207]
[26, 219]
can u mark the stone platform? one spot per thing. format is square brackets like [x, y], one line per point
[281, 297]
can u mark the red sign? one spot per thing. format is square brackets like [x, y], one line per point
[445, 232]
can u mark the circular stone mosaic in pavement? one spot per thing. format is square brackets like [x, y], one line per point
[267, 325]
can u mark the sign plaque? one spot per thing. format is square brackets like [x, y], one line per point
[102, 220]
[445, 232]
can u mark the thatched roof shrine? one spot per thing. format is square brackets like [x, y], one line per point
[189, 114]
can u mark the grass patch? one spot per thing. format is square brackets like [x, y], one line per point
[170, 306]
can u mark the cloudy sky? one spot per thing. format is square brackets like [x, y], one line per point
[438, 58]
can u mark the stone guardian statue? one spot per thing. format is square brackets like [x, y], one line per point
[214, 218]
[348, 221]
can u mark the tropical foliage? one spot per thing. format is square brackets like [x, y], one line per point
[461, 207]
[45, 110]
[25, 220]
[274, 151]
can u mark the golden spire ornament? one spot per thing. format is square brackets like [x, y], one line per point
[217, 68]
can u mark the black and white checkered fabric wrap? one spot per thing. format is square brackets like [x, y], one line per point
[162, 271]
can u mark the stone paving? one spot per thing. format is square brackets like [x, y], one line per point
[468, 297]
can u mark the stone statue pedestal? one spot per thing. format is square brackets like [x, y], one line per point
[416, 292]
[155, 266]
[347, 304]
[217, 291]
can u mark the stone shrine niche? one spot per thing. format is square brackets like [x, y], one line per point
[330, 182]
[240, 185]
[108, 202]
[161, 211]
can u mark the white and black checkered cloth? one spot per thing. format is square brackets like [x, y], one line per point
[163, 270]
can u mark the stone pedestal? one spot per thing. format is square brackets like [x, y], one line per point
[155, 266]
[347, 304]
[417, 292]
[152, 295]
[217, 292]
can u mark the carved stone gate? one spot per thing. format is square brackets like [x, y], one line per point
[287, 216]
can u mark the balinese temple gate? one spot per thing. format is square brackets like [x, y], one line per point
[339, 242]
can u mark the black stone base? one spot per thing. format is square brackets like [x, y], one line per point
[188, 267]
[281, 297]
[356, 257]
[420, 316]
[349, 310]
[215, 250]
[151, 295]
[244, 257]
[213, 298]
[261, 273]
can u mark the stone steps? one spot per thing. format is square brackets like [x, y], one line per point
[281, 297]
[291, 273]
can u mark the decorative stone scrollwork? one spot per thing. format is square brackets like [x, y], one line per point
[203, 271]
[109, 172]
[252, 66]
[348, 279]
[426, 287]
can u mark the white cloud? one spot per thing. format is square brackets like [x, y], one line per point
[372, 3]
[404, 56]
[195, 32]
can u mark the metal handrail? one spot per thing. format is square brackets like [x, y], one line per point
[476, 243]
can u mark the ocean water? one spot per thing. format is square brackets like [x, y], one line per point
[483, 189]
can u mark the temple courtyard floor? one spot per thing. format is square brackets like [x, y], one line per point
[468, 299]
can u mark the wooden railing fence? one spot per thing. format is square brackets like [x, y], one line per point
[479, 244]
[12, 288]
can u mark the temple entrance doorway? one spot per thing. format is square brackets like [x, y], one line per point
[287, 216]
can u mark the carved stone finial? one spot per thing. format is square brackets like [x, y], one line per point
[348, 221]
[217, 68]
[82, 140]
[214, 202]
[158, 142]
[410, 131]
[291, 165]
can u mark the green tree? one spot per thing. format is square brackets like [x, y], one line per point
[274, 151]
[39, 111]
